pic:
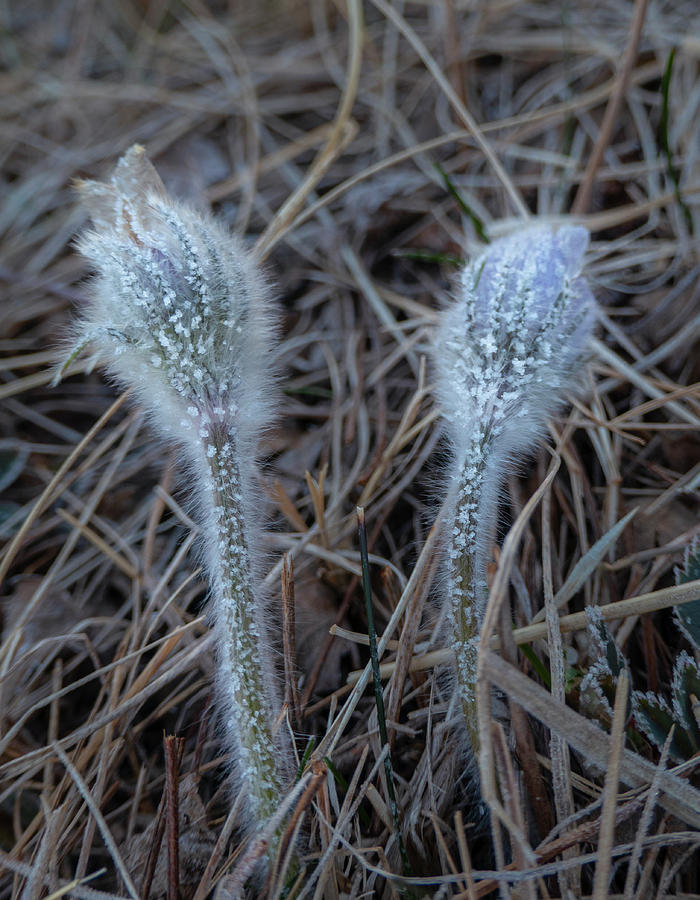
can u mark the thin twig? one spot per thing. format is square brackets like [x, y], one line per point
[173, 748]
[291, 688]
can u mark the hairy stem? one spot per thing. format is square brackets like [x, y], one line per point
[245, 666]
[468, 577]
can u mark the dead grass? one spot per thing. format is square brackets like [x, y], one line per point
[317, 129]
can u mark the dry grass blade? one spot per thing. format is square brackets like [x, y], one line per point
[645, 821]
[101, 824]
[588, 563]
[583, 196]
[341, 133]
[496, 599]
[456, 102]
[48, 495]
[74, 887]
[622, 609]
[679, 798]
[610, 789]
[291, 688]
[334, 733]
[362, 149]
[173, 752]
[559, 751]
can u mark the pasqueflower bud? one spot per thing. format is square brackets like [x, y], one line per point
[507, 350]
[179, 313]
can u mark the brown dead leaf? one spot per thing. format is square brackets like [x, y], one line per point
[316, 611]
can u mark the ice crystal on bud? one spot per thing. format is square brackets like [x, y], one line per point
[178, 312]
[177, 305]
[505, 353]
[510, 343]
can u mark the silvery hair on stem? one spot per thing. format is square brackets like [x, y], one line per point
[506, 351]
[179, 313]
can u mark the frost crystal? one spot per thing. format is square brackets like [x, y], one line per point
[509, 345]
[176, 302]
[505, 353]
[179, 313]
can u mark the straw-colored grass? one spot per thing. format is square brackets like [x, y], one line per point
[360, 147]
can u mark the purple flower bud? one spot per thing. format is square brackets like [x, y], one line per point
[507, 350]
[516, 333]
[179, 313]
[177, 308]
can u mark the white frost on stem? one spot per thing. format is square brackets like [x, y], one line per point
[179, 313]
[505, 353]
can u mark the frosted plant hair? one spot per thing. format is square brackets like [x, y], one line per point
[505, 352]
[178, 312]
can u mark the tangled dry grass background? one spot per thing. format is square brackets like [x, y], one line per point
[362, 148]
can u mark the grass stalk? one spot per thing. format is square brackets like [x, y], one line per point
[378, 690]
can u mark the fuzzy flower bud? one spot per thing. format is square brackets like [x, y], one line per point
[177, 308]
[179, 313]
[506, 352]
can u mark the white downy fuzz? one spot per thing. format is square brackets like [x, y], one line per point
[506, 351]
[179, 313]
